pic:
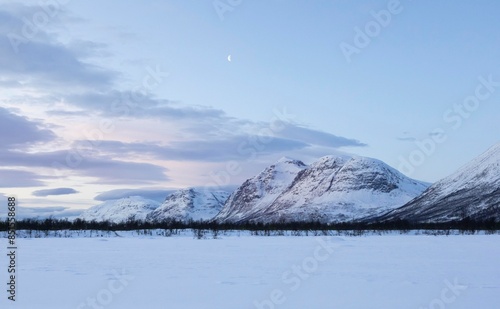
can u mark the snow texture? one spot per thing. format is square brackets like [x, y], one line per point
[190, 204]
[473, 191]
[181, 205]
[133, 207]
[332, 189]
[390, 272]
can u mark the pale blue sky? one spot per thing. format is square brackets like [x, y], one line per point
[286, 55]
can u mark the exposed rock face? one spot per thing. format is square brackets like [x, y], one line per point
[333, 189]
[190, 204]
[473, 191]
[133, 207]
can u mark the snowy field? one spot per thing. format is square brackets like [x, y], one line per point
[392, 271]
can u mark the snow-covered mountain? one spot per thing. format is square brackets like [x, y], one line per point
[474, 191]
[255, 195]
[133, 207]
[186, 204]
[333, 189]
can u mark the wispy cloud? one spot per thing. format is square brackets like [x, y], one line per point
[58, 212]
[28, 133]
[314, 137]
[407, 139]
[60, 77]
[152, 194]
[39, 60]
[18, 130]
[105, 170]
[55, 191]
[10, 178]
[215, 150]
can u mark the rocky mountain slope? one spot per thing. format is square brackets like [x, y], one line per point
[255, 195]
[473, 191]
[187, 204]
[332, 189]
[133, 207]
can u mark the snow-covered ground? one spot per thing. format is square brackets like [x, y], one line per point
[391, 271]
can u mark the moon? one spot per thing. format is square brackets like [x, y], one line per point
[229, 58]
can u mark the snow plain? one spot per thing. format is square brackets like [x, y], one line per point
[390, 271]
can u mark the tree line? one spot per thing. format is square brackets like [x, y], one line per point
[54, 224]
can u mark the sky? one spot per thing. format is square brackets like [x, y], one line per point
[104, 99]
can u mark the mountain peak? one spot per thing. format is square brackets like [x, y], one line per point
[288, 160]
[334, 188]
[472, 191]
[132, 207]
[190, 204]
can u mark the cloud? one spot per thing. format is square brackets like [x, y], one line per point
[57, 212]
[152, 194]
[56, 191]
[17, 130]
[62, 72]
[314, 137]
[106, 170]
[43, 60]
[407, 139]
[232, 148]
[224, 147]
[14, 178]
[109, 171]
[29, 54]
[66, 113]
[436, 134]
[134, 104]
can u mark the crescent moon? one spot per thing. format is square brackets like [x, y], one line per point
[229, 58]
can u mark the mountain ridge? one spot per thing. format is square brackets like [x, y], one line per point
[190, 204]
[331, 189]
[472, 191]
